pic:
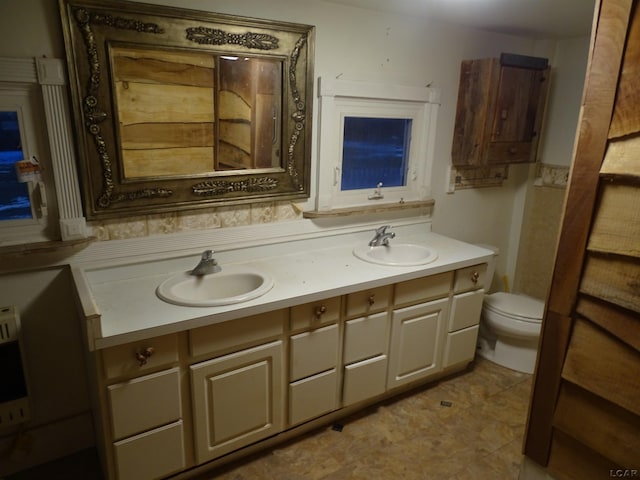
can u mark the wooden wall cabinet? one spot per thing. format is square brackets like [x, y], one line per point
[500, 109]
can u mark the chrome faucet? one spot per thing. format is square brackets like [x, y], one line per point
[382, 237]
[207, 265]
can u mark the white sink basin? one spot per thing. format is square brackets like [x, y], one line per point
[234, 284]
[396, 254]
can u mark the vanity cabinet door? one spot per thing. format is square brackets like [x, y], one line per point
[415, 342]
[238, 399]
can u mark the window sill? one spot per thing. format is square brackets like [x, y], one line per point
[28, 255]
[366, 209]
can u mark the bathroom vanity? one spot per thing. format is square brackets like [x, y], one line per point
[180, 389]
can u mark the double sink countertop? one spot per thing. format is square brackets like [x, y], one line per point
[120, 304]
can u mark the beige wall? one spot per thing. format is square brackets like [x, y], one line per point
[384, 47]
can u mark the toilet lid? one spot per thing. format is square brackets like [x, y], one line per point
[519, 306]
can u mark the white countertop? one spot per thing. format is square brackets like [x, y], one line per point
[124, 298]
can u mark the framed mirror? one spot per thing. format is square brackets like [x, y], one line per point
[178, 109]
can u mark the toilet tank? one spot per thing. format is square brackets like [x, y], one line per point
[491, 265]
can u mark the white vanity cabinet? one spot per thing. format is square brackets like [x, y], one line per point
[238, 394]
[366, 344]
[416, 329]
[313, 359]
[143, 400]
[466, 308]
[182, 400]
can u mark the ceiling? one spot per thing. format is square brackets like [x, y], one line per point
[535, 18]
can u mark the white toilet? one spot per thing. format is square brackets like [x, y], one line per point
[510, 328]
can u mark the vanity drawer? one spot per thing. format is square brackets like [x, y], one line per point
[314, 314]
[135, 358]
[244, 332]
[364, 380]
[144, 403]
[465, 310]
[313, 396]
[460, 346]
[154, 454]
[366, 337]
[314, 352]
[368, 301]
[470, 278]
[423, 289]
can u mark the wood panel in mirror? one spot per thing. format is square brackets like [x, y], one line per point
[179, 109]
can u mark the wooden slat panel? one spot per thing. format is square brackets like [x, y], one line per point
[621, 158]
[617, 321]
[598, 362]
[167, 135]
[599, 95]
[166, 69]
[142, 102]
[167, 162]
[626, 115]
[555, 337]
[476, 77]
[612, 431]
[616, 228]
[613, 278]
[571, 460]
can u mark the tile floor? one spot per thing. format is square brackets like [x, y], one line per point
[469, 426]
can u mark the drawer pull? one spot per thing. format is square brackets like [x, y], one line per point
[371, 300]
[143, 355]
[475, 276]
[319, 311]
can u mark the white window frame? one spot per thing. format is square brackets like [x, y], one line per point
[343, 98]
[23, 99]
[47, 126]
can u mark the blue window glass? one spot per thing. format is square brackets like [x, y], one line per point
[375, 150]
[14, 196]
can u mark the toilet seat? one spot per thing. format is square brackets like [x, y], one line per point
[518, 307]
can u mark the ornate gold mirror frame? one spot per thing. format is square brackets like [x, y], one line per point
[179, 109]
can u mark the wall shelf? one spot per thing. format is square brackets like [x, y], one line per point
[366, 209]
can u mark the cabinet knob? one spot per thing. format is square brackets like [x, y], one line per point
[319, 311]
[143, 355]
[475, 276]
[371, 300]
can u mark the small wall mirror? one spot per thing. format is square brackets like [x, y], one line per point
[180, 109]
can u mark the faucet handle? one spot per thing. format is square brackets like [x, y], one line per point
[207, 255]
[382, 229]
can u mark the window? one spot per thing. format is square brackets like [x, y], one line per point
[375, 151]
[34, 124]
[23, 212]
[376, 143]
[15, 203]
